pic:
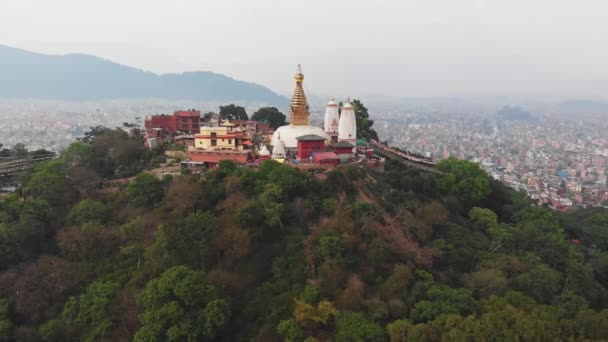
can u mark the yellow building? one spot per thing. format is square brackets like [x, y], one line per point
[214, 144]
[223, 137]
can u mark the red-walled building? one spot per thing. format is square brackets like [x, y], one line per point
[326, 158]
[188, 121]
[343, 147]
[185, 121]
[308, 144]
[162, 122]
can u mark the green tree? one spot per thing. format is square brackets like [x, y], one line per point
[310, 316]
[271, 115]
[486, 282]
[180, 305]
[540, 282]
[116, 153]
[288, 178]
[443, 300]
[271, 201]
[6, 325]
[226, 167]
[398, 282]
[189, 240]
[49, 182]
[398, 331]
[19, 150]
[145, 191]
[465, 179]
[486, 218]
[233, 112]
[89, 210]
[353, 327]
[89, 311]
[330, 246]
[79, 153]
[289, 330]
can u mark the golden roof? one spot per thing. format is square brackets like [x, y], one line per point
[299, 105]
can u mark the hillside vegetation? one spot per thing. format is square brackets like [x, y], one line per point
[277, 254]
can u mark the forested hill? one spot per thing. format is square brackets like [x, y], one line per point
[277, 254]
[78, 77]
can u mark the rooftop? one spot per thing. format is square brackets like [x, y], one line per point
[325, 156]
[343, 144]
[310, 137]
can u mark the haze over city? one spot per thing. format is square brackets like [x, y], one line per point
[543, 48]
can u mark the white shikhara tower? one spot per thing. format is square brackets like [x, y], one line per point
[347, 127]
[332, 120]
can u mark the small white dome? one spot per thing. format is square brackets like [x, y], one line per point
[279, 150]
[264, 151]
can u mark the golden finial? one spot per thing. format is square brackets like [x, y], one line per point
[299, 74]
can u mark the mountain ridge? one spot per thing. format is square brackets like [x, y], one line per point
[79, 77]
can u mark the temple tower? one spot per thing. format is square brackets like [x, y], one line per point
[299, 111]
[332, 120]
[347, 127]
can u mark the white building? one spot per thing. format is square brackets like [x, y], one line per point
[347, 127]
[332, 119]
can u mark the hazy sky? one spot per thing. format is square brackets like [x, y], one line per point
[355, 47]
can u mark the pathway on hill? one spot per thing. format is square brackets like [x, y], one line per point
[406, 159]
[14, 166]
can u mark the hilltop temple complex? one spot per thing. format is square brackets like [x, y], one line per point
[248, 142]
[299, 120]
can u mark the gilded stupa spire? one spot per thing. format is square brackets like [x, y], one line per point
[299, 111]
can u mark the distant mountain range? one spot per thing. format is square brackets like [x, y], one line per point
[79, 77]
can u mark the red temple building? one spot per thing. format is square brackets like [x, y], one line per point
[308, 144]
[344, 150]
[326, 158]
[343, 147]
[185, 121]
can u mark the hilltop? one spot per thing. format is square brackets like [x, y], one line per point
[79, 77]
[279, 254]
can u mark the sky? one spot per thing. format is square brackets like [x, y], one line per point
[395, 48]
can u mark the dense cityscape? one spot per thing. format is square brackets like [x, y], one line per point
[559, 163]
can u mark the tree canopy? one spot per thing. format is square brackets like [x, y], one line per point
[233, 112]
[271, 115]
[277, 253]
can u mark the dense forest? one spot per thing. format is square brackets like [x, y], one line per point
[278, 254]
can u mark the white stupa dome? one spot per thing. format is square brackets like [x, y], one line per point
[290, 133]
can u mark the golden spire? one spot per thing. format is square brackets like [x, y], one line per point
[299, 106]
